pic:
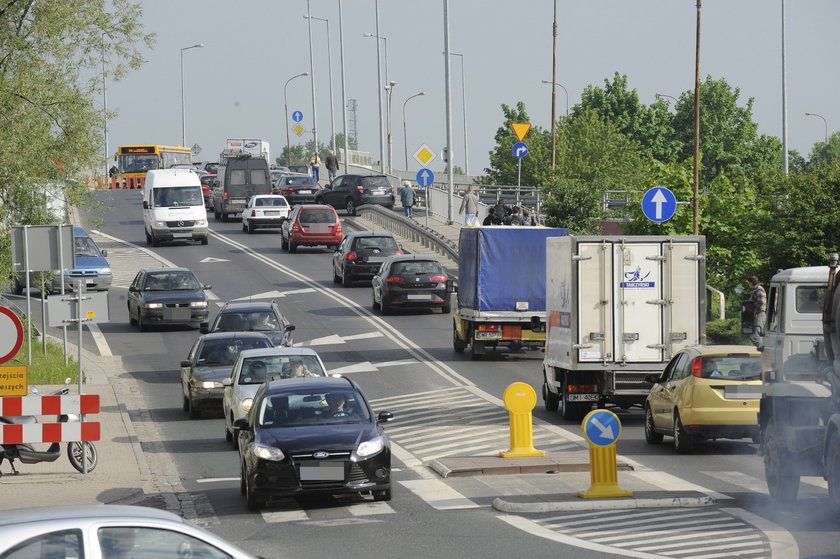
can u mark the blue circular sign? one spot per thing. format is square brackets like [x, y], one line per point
[659, 204]
[297, 116]
[425, 177]
[520, 149]
[601, 427]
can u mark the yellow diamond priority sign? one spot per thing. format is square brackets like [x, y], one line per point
[298, 129]
[424, 155]
[521, 128]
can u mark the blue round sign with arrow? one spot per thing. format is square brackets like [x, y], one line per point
[297, 116]
[601, 427]
[659, 204]
[520, 149]
[425, 177]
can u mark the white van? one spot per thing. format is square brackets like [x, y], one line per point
[173, 207]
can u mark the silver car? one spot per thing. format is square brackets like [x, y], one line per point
[108, 532]
[253, 367]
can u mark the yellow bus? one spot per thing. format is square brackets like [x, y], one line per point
[134, 161]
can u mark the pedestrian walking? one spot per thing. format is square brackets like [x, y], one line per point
[315, 167]
[469, 207]
[758, 302]
[407, 198]
[332, 165]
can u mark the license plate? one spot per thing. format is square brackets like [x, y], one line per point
[322, 472]
[271, 212]
[418, 297]
[181, 313]
[488, 335]
[376, 259]
[304, 192]
[581, 397]
[378, 191]
[182, 235]
[236, 201]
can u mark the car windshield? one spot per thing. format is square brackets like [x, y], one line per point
[171, 281]
[300, 181]
[415, 267]
[317, 216]
[177, 196]
[270, 202]
[737, 367]
[84, 246]
[381, 243]
[375, 181]
[293, 409]
[257, 370]
[246, 321]
[224, 352]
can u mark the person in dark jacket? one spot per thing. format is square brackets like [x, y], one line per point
[491, 218]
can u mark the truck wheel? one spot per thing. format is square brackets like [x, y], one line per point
[457, 344]
[552, 401]
[832, 472]
[476, 350]
[651, 436]
[782, 483]
[683, 442]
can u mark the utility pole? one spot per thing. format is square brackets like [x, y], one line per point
[554, 90]
[697, 124]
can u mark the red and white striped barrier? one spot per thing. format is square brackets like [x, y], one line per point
[16, 406]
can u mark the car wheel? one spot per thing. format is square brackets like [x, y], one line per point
[242, 485]
[384, 307]
[651, 436]
[283, 243]
[186, 403]
[217, 214]
[251, 500]
[131, 320]
[551, 400]
[683, 442]
[384, 495]
[292, 246]
[155, 241]
[140, 324]
[374, 305]
[244, 226]
[336, 279]
[251, 228]
[194, 412]
[782, 482]
[148, 239]
[204, 240]
[832, 473]
[350, 206]
[228, 434]
[346, 279]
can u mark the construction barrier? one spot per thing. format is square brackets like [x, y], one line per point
[114, 183]
[17, 406]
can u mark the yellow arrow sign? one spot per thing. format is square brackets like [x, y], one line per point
[298, 129]
[521, 128]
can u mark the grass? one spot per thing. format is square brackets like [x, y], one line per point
[46, 368]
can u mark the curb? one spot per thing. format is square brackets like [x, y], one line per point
[617, 504]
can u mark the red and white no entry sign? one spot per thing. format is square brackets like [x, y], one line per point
[11, 334]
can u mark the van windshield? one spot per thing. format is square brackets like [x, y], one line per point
[178, 196]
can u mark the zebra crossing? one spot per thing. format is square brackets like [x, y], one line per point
[125, 259]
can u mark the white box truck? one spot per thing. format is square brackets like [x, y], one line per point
[618, 308]
[242, 146]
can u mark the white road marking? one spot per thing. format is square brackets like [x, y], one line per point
[336, 339]
[368, 367]
[370, 508]
[276, 516]
[210, 259]
[99, 340]
[217, 479]
[782, 542]
[438, 494]
[274, 294]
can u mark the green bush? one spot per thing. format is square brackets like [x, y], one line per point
[726, 331]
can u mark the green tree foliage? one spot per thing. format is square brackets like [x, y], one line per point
[825, 153]
[49, 121]
[504, 166]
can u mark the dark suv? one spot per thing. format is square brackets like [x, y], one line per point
[351, 191]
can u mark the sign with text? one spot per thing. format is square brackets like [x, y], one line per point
[13, 381]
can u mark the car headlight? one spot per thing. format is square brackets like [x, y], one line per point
[371, 447]
[160, 224]
[246, 404]
[153, 305]
[104, 270]
[208, 384]
[201, 222]
[198, 304]
[267, 452]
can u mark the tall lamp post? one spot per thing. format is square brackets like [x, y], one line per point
[464, 109]
[560, 85]
[183, 112]
[286, 111]
[343, 88]
[825, 123]
[312, 82]
[379, 80]
[405, 134]
[329, 71]
[389, 90]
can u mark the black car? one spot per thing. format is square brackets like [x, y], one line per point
[254, 316]
[361, 254]
[302, 169]
[209, 362]
[350, 191]
[297, 189]
[160, 296]
[411, 281]
[312, 436]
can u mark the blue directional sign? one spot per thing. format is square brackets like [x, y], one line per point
[297, 116]
[602, 427]
[520, 149]
[659, 204]
[425, 177]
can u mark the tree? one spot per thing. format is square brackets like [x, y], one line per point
[504, 166]
[825, 153]
[46, 105]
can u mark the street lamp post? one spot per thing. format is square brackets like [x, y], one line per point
[464, 109]
[329, 71]
[389, 90]
[405, 134]
[183, 112]
[312, 81]
[825, 123]
[378, 81]
[343, 87]
[286, 111]
[564, 91]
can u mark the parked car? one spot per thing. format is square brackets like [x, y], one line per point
[311, 225]
[361, 254]
[160, 296]
[107, 531]
[91, 268]
[298, 189]
[254, 316]
[265, 211]
[302, 169]
[209, 362]
[313, 436]
[208, 181]
[411, 281]
[256, 366]
[688, 401]
[351, 191]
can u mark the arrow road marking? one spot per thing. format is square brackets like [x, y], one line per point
[275, 294]
[368, 367]
[659, 199]
[211, 259]
[606, 431]
[336, 339]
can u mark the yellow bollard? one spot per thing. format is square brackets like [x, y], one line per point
[520, 398]
[602, 429]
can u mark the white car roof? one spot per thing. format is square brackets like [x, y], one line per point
[273, 351]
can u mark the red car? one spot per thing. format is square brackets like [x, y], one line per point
[311, 225]
[208, 181]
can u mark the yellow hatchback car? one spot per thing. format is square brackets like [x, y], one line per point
[687, 400]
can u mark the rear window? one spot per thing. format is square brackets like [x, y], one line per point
[416, 267]
[317, 216]
[258, 176]
[382, 243]
[271, 202]
[741, 367]
[299, 181]
[375, 181]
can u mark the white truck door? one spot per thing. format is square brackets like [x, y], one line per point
[595, 302]
[681, 290]
[638, 296]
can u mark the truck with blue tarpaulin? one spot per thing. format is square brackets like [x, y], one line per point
[501, 288]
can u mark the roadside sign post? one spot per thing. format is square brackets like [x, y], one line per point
[520, 150]
[520, 399]
[659, 204]
[12, 379]
[425, 177]
[602, 429]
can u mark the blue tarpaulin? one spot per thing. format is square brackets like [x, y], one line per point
[500, 266]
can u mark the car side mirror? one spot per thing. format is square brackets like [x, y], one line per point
[185, 363]
[241, 424]
[206, 286]
[133, 289]
[451, 286]
[289, 328]
[204, 330]
[227, 382]
[104, 253]
[385, 417]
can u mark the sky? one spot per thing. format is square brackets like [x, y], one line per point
[234, 85]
